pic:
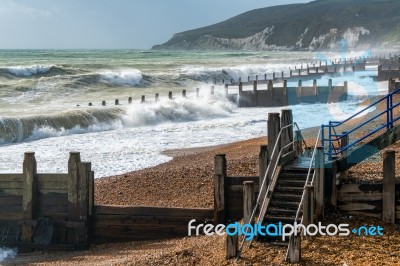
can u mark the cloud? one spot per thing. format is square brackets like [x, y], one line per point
[16, 9]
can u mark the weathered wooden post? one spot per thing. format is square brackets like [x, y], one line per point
[271, 92]
[212, 90]
[219, 189]
[232, 243]
[248, 78]
[157, 97]
[294, 250]
[346, 90]
[85, 173]
[308, 205]
[299, 91]
[170, 95]
[29, 194]
[262, 163]
[248, 201]
[319, 184]
[255, 92]
[291, 73]
[287, 134]
[184, 93]
[226, 89]
[273, 75]
[389, 192]
[143, 99]
[285, 99]
[240, 79]
[116, 102]
[274, 126]
[130, 100]
[90, 104]
[283, 74]
[73, 193]
[308, 71]
[298, 144]
[265, 76]
[256, 77]
[198, 91]
[103, 103]
[315, 88]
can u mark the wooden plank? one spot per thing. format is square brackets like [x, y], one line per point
[11, 185]
[356, 206]
[359, 188]
[49, 204]
[53, 186]
[10, 177]
[10, 208]
[238, 180]
[398, 215]
[366, 213]
[11, 216]
[10, 192]
[356, 197]
[53, 178]
[150, 211]
[13, 200]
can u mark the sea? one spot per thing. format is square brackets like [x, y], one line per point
[45, 96]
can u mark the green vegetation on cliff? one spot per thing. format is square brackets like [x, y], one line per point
[301, 26]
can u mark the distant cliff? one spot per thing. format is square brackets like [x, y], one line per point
[321, 24]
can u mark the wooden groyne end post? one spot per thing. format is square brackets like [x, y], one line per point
[389, 196]
[29, 196]
[219, 188]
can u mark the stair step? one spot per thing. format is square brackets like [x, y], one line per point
[291, 182]
[285, 204]
[290, 190]
[270, 219]
[286, 197]
[282, 211]
[293, 176]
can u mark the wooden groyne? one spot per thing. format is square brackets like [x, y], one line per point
[274, 96]
[47, 210]
[270, 95]
[312, 71]
[57, 211]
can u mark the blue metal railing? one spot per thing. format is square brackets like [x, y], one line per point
[328, 143]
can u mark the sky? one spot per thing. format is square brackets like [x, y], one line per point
[111, 24]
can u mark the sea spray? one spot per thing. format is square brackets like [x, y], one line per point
[178, 110]
[122, 77]
[7, 253]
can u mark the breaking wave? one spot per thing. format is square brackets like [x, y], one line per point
[123, 77]
[13, 130]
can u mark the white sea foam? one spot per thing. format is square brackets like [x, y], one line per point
[6, 253]
[25, 71]
[122, 77]
[179, 110]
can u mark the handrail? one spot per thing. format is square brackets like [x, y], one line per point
[307, 183]
[390, 120]
[365, 109]
[278, 140]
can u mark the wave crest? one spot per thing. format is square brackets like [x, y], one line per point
[123, 77]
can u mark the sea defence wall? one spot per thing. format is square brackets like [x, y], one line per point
[274, 96]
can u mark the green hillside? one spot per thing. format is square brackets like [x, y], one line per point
[380, 18]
